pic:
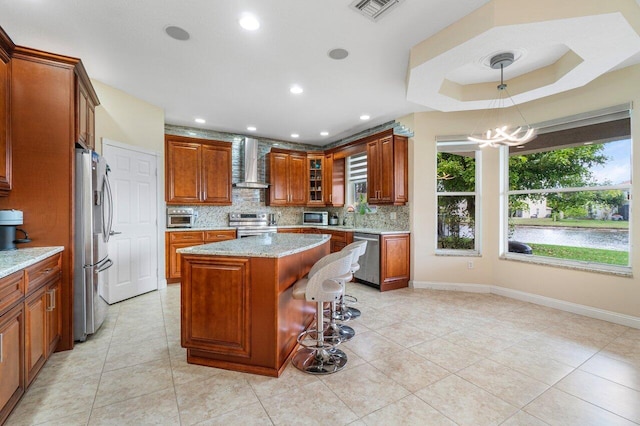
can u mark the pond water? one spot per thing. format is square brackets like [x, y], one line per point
[611, 239]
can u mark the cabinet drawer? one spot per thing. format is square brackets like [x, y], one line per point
[42, 272]
[186, 236]
[214, 236]
[11, 290]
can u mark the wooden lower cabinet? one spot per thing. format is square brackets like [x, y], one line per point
[30, 327]
[182, 239]
[289, 230]
[12, 384]
[43, 325]
[394, 261]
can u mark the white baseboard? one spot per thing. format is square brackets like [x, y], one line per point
[588, 311]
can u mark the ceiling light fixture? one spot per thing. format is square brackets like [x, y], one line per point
[502, 134]
[324, 133]
[296, 90]
[249, 22]
[200, 120]
[364, 117]
[251, 128]
[295, 135]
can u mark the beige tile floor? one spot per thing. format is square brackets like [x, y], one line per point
[419, 357]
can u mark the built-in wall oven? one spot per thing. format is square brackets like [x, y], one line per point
[369, 272]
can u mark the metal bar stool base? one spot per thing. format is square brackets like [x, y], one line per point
[319, 361]
[353, 312]
[338, 333]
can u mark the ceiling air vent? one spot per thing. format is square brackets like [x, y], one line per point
[374, 9]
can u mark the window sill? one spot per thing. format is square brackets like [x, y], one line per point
[620, 271]
[465, 253]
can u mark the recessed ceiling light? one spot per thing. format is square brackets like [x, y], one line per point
[200, 120]
[251, 128]
[364, 117]
[295, 135]
[296, 90]
[177, 33]
[338, 54]
[249, 22]
[324, 133]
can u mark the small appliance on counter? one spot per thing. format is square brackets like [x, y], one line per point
[9, 222]
[315, 218]
[181, 217]
[334, 219]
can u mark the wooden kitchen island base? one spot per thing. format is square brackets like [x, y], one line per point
[237, 309]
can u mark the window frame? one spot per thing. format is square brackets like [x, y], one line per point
[569, 123]
[477, 194]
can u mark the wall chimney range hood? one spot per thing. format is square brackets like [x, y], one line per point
[251, 166]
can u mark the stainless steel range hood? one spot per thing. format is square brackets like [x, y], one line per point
[251, 166]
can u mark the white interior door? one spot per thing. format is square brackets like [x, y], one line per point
[134, 245]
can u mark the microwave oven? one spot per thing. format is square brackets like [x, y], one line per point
[181, 217]
[315, 218]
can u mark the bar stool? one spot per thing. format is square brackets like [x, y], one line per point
[346, 312]
[336, 332]
[320, 356]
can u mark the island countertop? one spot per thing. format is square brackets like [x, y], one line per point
[268, 245]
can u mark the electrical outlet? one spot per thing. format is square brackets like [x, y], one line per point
[470, 264]
[392, 215]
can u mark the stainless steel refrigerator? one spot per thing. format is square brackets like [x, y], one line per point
[93, 218]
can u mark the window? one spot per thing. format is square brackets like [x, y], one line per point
[356, 178]
[458, 201]
[568, 195]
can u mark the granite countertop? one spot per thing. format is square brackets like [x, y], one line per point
[267, 245]
[14, 260]
[376, 231]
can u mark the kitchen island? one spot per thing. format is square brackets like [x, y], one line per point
[237, 309]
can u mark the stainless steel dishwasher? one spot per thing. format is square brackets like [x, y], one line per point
[369, 272]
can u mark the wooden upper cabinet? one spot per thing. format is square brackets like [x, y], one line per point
[387, 172]
[216, 174]
[287, 175]
[5, 137]
[198, 171]
[86, 101]
[317, 188]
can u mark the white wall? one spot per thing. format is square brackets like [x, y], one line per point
[603, 291]
[126, 119]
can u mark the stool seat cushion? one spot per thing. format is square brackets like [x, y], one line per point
[300, 288]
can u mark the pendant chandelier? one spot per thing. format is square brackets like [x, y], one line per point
[502, 134]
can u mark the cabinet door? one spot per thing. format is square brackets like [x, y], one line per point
[337, 182]
[91, 127]
[5, 147]
[35, 333]
[216, 170]
[278, 179]
[297, 180]
[183, 170]
[174, 257]
[316, 178]
[394, 259]
[373, 171]
[11, 360]
[81, 115]
[385, 170]
[54, 315]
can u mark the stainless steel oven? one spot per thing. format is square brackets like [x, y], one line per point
[181, 217]
[250, 224]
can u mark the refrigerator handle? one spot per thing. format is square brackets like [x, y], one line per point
[107, 225]
[104, 266]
